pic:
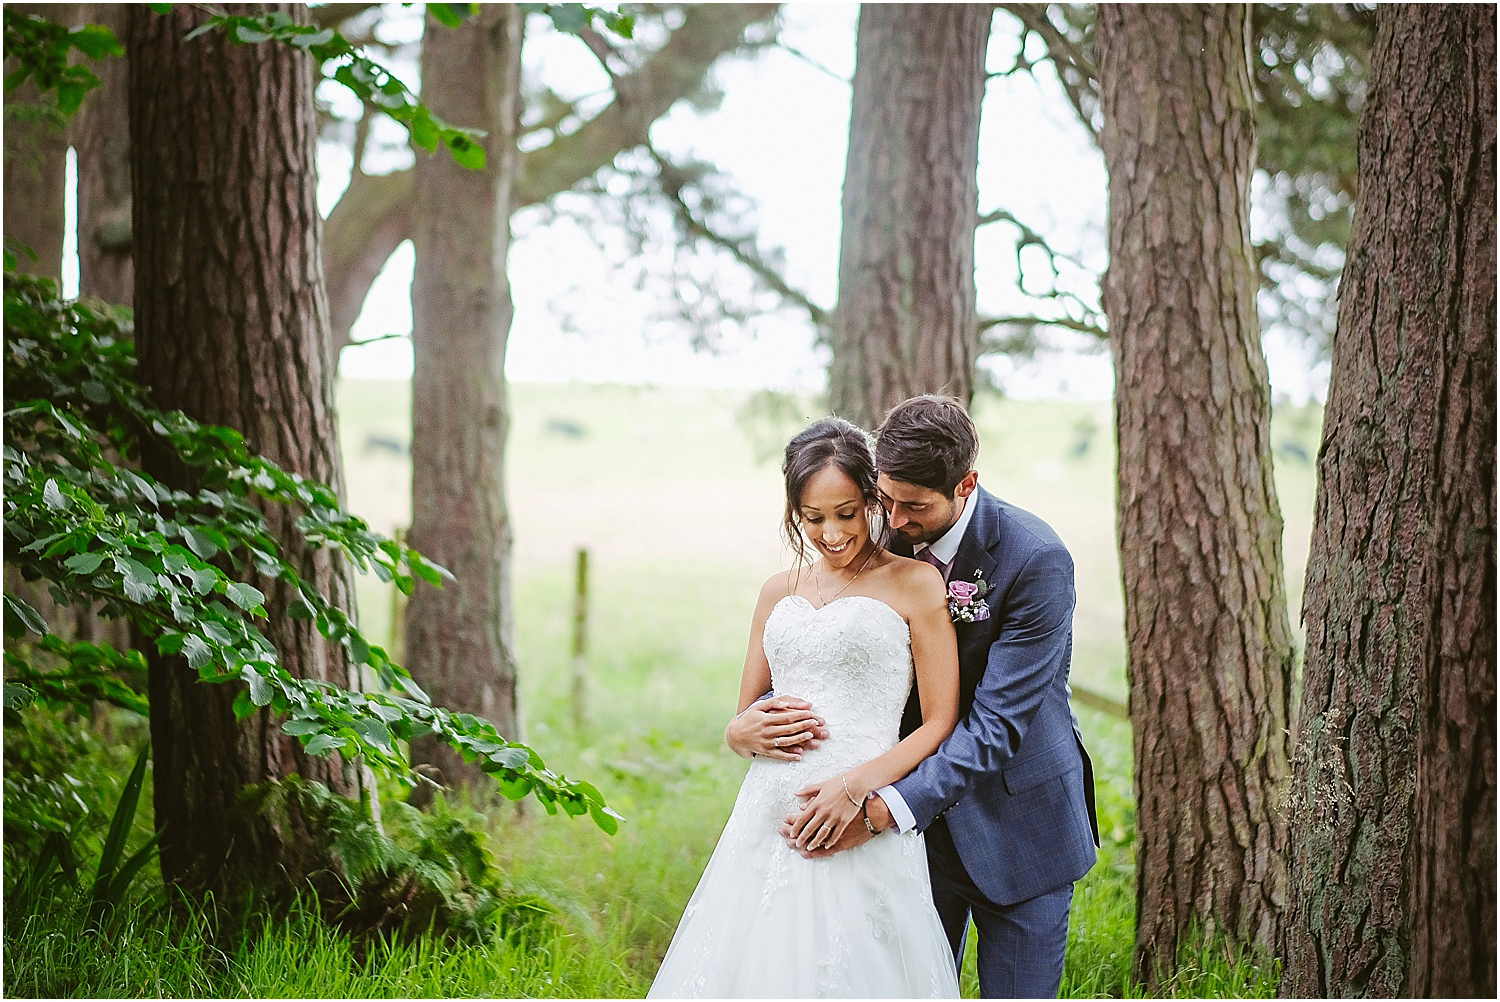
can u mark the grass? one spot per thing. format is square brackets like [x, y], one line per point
[676, 495]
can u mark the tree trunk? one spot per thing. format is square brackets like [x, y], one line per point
[102, 138]
[905, 322]
[1394, 796]
[232, 328]
[36, 149]
[459, 639]
[1209, 647]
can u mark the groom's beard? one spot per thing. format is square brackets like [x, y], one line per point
[929, 535]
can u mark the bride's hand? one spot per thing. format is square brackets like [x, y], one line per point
[826, 812]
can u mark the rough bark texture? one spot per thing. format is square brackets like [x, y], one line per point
[374, 216]
[36, 148]
[101, 133]
[905, 322]
[458, 640]
[1209, 646]
[232, 328]
[1394, 820]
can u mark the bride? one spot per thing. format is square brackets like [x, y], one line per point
[849, 633]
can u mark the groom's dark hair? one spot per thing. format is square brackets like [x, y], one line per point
[928, 441]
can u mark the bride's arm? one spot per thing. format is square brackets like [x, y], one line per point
[934, 651]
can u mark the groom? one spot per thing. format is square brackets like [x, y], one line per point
[1007, 802]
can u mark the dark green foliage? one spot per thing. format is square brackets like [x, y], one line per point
[411, 874]
[42, 50]
[69, 818]
[176, 563]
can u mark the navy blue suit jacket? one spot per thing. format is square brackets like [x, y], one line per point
[1013, 781]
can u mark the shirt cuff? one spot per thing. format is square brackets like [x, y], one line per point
[900, 813]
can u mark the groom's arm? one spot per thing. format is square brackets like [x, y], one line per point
[1024, 661]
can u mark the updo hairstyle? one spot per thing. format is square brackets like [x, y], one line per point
[836, 442]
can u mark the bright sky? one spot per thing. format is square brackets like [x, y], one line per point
[781, 132]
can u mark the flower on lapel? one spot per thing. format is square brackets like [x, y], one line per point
[966, 602]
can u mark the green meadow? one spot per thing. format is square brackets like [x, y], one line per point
[676, 495]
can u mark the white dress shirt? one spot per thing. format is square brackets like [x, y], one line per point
[945, 548]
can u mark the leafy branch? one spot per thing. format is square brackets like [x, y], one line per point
[42, 50]
[175, 563]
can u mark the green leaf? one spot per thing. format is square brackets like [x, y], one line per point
[424, 131]
[52, 496]
[466, 153]
[18, 613]
[373, 731]
[18, 696]
[242, 706]
[203, 579]
[300, 727]
[197, 651]
[260, 688]
[95, 41]
[450, 15]
[245, 596]
[200, 542]
[250, 36]
[322, 744]
[159, 8]
[70, 95]
[606, 819]
[84, 563]
[139, 580]
[359, 650]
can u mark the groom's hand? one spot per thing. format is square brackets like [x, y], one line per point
[855, 834]
[780, 727]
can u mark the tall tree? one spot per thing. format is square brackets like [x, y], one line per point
[905, 322]
[232, 329]
[461, 312]
[101, 136]
[36, 149]
[1209, 648]
[1394, 795]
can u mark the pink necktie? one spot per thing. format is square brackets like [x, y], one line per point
[932, 558]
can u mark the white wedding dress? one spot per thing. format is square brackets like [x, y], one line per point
[766, 923]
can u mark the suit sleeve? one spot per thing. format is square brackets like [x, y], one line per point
[1034, 638]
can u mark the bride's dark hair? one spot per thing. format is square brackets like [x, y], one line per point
[829, 441]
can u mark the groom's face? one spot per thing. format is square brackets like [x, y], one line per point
[921, 514]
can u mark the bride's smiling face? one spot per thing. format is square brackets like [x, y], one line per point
[834, 516]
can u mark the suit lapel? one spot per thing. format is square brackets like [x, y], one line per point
[976, 551]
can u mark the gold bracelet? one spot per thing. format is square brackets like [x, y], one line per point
[843, 779]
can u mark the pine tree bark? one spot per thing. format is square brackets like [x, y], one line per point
[36, 150]
[1394, 795]
[459, 639]
[232, 328]
[1209, 648]
[101, 131]
[905, 322]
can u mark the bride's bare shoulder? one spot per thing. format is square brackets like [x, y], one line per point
[781, 584]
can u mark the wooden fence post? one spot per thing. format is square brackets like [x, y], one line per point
[580, 640]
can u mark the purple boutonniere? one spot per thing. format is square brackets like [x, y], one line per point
[966, 602]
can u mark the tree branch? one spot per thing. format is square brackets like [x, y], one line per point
[1081, 326]
[673, 180]
[373, 217]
